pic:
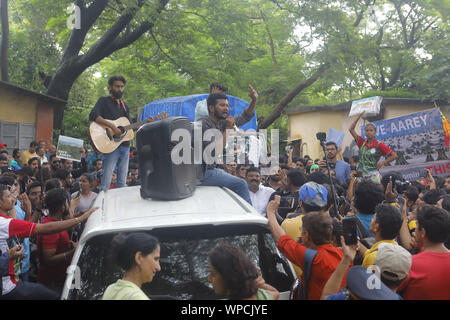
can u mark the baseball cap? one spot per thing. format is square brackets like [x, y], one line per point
[313, 194]
[3, 145]
[361, 285]
[393, 260]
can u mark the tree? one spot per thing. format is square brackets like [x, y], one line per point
[129, 24]
[5, 39]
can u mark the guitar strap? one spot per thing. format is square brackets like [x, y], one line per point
[123, 105]
[121, 101]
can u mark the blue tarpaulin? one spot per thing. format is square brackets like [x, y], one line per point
[185, 107]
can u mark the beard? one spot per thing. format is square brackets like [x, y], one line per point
[116, 94]
[220, 116]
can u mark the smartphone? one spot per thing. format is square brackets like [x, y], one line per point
[424, 174]
[349, 230]
[13, 241]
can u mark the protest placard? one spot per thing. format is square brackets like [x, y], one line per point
[371, 106]
[69, 148]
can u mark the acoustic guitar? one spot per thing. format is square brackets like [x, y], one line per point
[102, 138]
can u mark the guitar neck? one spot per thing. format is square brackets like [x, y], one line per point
[137, 124]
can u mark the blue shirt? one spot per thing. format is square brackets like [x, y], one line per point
[365, 220]
[26, 242]
[343, 171]
[337, 296]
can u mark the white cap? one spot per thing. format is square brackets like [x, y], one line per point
[393, 260]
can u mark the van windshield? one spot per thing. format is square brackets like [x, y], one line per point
[184, 262]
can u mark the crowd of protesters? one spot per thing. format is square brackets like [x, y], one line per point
[402, 227]
[44, 201]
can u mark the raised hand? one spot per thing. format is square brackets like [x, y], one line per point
[252, 93]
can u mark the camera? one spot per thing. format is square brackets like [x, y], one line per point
[286, 202]
[321, 136]
[401, 186]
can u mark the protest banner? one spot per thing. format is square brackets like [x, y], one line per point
[419, 141]
[69, 148]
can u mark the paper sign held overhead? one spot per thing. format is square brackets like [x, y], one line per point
[371, 106]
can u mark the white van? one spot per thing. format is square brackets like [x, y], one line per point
[188, 230]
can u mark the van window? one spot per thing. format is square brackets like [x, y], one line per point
[184, 262]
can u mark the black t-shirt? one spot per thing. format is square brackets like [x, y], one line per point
[109, 109]
[289, 201]
[207, 123]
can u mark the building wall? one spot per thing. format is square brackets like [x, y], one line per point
[309, 123]
[17, 108]
[24, 118]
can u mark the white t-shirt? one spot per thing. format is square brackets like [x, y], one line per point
[260, 199]
[201, 110]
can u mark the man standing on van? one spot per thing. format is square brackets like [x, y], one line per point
[112, 108]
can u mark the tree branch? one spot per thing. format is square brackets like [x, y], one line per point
[272, 47]
[361, 14]
[291, 95]
[88, 17]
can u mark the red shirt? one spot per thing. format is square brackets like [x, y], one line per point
[429, 277]
[54, 275]
[324, 264]
[384, 150]
[22, 229]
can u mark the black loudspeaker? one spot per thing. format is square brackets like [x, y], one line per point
[160, 177]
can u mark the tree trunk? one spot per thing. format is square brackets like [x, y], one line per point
[5, 40]
[291, 95]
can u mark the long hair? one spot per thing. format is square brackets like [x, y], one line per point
[237, 270]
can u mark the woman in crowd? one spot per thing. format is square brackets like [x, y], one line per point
[87, 197]
[138, 254]
[233, 275]
[370, 151]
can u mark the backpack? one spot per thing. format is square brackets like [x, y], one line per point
[367, 241]
[300, 292]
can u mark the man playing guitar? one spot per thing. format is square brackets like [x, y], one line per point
[112, 108]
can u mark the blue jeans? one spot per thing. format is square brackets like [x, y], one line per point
[118, 158]
[30, 291]
[218, 177]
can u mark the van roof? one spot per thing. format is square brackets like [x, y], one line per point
[124, 210]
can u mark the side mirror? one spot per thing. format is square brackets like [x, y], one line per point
[295, 290]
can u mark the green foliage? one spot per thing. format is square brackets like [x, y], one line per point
[394, 93]
[273, 45]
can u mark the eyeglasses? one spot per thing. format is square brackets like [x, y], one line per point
[56, 161]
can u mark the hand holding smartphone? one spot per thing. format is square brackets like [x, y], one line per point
[349, 230]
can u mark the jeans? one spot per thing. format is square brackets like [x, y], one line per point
[118, 158]
[218, 177]
[31, 291]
